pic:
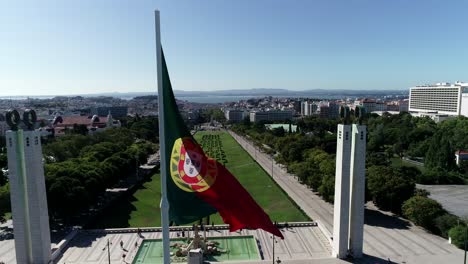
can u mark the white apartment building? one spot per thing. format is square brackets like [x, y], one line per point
[439, 99]
[304, 109]
[308, 108]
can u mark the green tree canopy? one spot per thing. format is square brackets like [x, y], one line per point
[422, 211]
[458, 234]
[389, 187]
[445, 222]
[440, 153]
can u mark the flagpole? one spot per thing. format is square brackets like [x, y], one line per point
[162, 145]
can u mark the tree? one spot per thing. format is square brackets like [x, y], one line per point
[440, 176]
[218, 115]
[421, 192]
[458, 235]
[376, 138]
[66, 195]
[259, 126]
[4, 201]
[101, 151]
[410, 172]
[67, 147]
[377, 159]
[422, 211]
[388, 187]
[301, 171]
[327, 188]
[246, 122]
[445, 222]
[86, 165]
[440, 153]
[215, 113]
[3, 178]
[456, 129]
[3, 164]
[278, 132]
[121, 135]
[2, 142]
[79, 129]
[145, 128]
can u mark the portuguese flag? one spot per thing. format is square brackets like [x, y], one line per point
[197, 185]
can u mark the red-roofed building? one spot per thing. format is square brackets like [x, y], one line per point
[94, 123]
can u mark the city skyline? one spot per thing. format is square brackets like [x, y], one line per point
[58, 48]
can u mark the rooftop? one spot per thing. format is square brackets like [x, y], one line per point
[443, 85]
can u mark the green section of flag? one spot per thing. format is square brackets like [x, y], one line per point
[184, 207]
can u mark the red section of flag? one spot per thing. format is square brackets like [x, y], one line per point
[235, 205]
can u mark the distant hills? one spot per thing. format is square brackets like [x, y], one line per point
[291, 93]
[256, 92]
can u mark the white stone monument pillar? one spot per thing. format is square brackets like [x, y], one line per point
[358, 174]
[342, 195]
[28, 194]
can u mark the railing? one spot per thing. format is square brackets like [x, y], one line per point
[188, 228]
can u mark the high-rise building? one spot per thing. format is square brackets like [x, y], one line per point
[308, 108]
[440, 98]
[303, 108]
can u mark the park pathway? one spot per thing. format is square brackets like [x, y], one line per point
[385, 236]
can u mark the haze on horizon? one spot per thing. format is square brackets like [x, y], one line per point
[55, 47]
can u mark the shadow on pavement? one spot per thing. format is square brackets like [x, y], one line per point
[377, 218]
[366, 259]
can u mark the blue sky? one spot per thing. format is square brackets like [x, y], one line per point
[89, 46]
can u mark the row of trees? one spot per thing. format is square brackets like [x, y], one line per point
[4, 187]
[317, 170]
[391, 186]
[309, 154]
[80, 167]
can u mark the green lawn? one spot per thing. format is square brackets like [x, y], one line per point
[142, 207]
